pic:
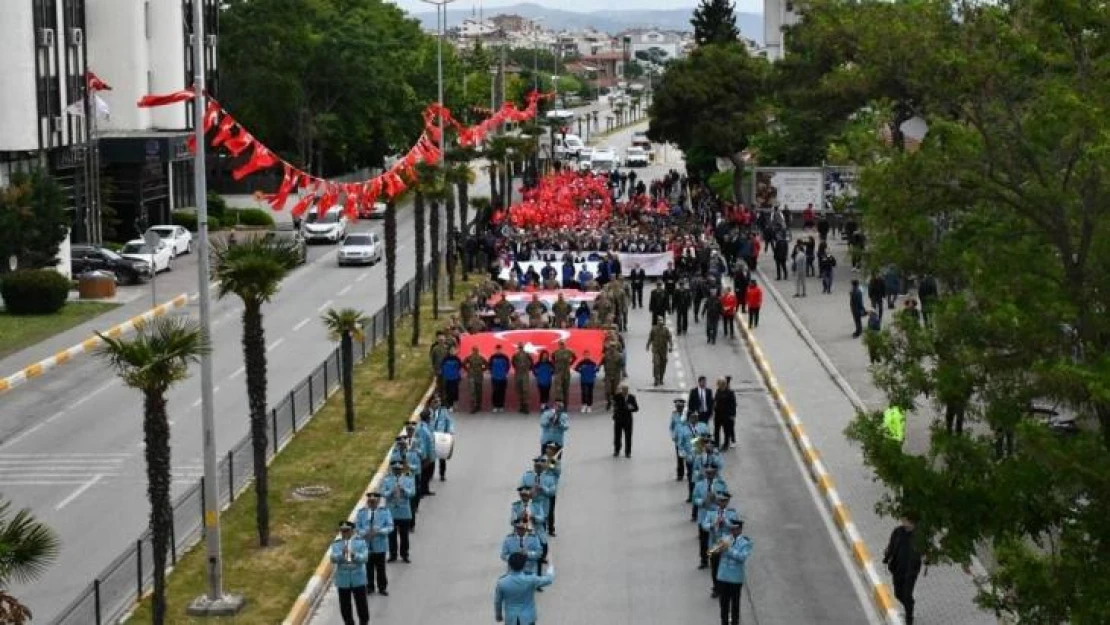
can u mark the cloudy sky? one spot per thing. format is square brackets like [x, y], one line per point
[580, 5]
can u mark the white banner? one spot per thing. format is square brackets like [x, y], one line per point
[653, 264]
[789, 188]
[538, 265]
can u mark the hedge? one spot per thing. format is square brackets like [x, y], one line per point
[34, 291]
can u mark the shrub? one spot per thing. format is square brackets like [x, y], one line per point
[249, 217]
[217, 206]
[34, 291]
[188, 220]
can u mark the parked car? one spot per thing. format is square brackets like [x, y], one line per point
[361, 248]
[604, 161]
[640, 140]
[636, 157]
[178, 238]
[87, 258]
[568, 146]
[331, 228]
[160, 258]
[374, 211]
[294, 236]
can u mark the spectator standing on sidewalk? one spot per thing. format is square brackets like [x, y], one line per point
[893, 286]
[855, 306]
[624, 406]
[799, 267]
[876, 292]
[927, 292]
[904, 562]
[729, 304]
[811, 256]
[724, 415]
[781, 249]
[754, 299]
[874, 326]
[825, 264]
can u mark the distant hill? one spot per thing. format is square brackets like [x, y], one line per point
[610, 21]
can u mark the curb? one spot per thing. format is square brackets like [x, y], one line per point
[33, 371]
[880, 592]
[318, 583]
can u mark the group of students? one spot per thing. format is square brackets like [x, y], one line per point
[381, 529]
[532, 517]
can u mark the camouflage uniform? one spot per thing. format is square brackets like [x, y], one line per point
[563, 358]
[613, 363]
[475, 367]
[561, 310]
[535, 311]
[437, 353]
[522, 369]
[504, 311]
[659, 342]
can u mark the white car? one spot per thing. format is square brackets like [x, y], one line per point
[160, 259]
[603, 160]
[360, 248]
[179, 239]
[331, 228]
[636, 157]
[375, 211]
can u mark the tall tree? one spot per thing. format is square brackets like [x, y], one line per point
[253, 269]
[1007, 204]
[723, 83]
[714, 22]
[345, 326]
[421, 239]
[451, 253]
[33, 220]
[152, 361]
[390, 232]
[27, 548]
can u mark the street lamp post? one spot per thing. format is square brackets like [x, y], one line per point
[441, 23]
[214, 602]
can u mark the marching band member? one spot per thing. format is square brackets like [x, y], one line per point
[678, 430]
[543, 485]
[522, 540]
[374, 524]
[406, 450]
[731, 574]
[513, 598]
[716, 524]
[706, 492]
[705, 454]
[554, 424]
[349, 554]
[526, 509]
[426, 441]
[691, 433]
[554, 456]
[399, 490]
[442, 421]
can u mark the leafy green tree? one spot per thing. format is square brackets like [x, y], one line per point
[33, 220]
[345, 326]
[418, 221]
[1006, 205]
[714, 22]
[27, 548]
[723, 83]
[460, 173]
[254, 269]
[431, 185]
[151, 362]
[389, 229]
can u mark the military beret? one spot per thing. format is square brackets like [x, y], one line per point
[346, 525]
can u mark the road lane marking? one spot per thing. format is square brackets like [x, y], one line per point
[345, 290]
[300, 324]
[272, 346]
[196, 403]
[96, 392]
[362, 277]
[324, 306]
[238, 372]
[24, 434]
[80, 491]
[66, 455]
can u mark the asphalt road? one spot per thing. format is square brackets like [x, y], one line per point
[626, 551]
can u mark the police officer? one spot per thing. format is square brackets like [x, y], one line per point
[552, 453]
[660, 344]
[514, 599]
[543, 487]
[526, 509]
[554, 424]
[731, 573]
[683, 299]
[522, 370]
[521, 540]
[637, 278]
[442, 421]
[349, 554]
[562, 358]
[426, 441]
[678, 433]
[716, 524]
[399, 490]
[499, 366]
[706, 493]
[475, 367]
[374, 524]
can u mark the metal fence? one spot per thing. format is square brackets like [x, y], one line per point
[114, 592]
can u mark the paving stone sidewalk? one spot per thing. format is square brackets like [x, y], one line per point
[945, 595]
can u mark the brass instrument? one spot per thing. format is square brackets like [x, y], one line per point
[719, 548]
[527, 518]
[348, 557]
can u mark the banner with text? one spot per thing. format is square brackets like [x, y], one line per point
[792, 188]
[653, 264]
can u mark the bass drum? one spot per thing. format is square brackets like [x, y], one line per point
[445, 445]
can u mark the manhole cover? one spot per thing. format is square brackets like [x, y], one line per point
[310, 492]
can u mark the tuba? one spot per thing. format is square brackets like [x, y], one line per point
[719, 548]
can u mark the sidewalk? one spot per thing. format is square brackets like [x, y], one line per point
[825, 396]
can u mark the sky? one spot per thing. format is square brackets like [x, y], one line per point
[416, 6]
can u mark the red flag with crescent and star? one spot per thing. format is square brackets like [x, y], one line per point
[534, 341]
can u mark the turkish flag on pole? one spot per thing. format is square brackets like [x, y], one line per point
[261, 158]
[163, 99]
[535, 341]
[93, 83]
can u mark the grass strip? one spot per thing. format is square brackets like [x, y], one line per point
[20, 331]
[320, 454]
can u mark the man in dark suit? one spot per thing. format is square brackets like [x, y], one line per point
[637, 278]
[624, 406]
[700, 401]
[658, 303]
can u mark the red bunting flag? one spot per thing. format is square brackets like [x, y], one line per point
[262, 158]
[223, 132]
[239, 143]
[164, 99]
[93, 83]
[211, 115]
[288, 181]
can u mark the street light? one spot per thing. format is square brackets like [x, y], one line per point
[441, 26]
[214, 602]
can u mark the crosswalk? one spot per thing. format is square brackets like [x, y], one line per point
[78, 469]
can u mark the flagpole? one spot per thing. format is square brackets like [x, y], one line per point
[215, 602]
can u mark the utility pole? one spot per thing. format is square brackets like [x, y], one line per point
[215, 602]
[441, 22]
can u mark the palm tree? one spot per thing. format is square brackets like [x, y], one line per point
[345, 326]
[390, 231]
[497, 151]
[27, 549]
[462, 176]
[421, 238]
[152, 361]
[253, 270]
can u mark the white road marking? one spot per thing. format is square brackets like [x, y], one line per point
[324, 306]
[300, 324]
[273, 345]
[196, 403]
[345, 290]
[80, 491]
[362, 277]
[7, 464]
[73, 455]
[682, 384]
[25, 433]
[238, 372]
[96, 392]
[680, 374]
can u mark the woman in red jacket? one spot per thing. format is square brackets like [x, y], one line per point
[754, 299]
[729, 304]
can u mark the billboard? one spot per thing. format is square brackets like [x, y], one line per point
[791, 188]
[841, 188]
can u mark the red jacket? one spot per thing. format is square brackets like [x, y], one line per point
[729, 304]
[756, 246]
[754, 297]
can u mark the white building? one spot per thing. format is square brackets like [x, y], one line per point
[777, 14]
[670, 43]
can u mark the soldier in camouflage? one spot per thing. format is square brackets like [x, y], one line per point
[475, 367]
[660, 344]
[613, 363]
[563, 359]
[522, 370]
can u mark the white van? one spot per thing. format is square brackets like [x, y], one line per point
[603, 160]
[568, 146]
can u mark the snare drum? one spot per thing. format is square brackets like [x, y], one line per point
[445, 445]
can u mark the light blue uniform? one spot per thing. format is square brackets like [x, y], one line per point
[442, 421]
[678, 423]
[427, 441]
[528, 544]
[717, 522]
[398, 491]
[376, 534]
[350, 574]
[553, 427]
[410, 457]
[734, 560]
[538, 514]
[703, 460]
[543, 491]
[514, 599]
[701, 495]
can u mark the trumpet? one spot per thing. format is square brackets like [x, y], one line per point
[719, 548]
[348, 557]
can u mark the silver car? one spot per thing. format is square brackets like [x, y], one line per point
[362, 248]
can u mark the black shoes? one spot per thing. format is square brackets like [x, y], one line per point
[443, 478]
[383, 593]
[406, 560]
[392, 559]
[703, 566]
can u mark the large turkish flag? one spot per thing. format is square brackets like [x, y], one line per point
[521, 299]
[535, 341]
